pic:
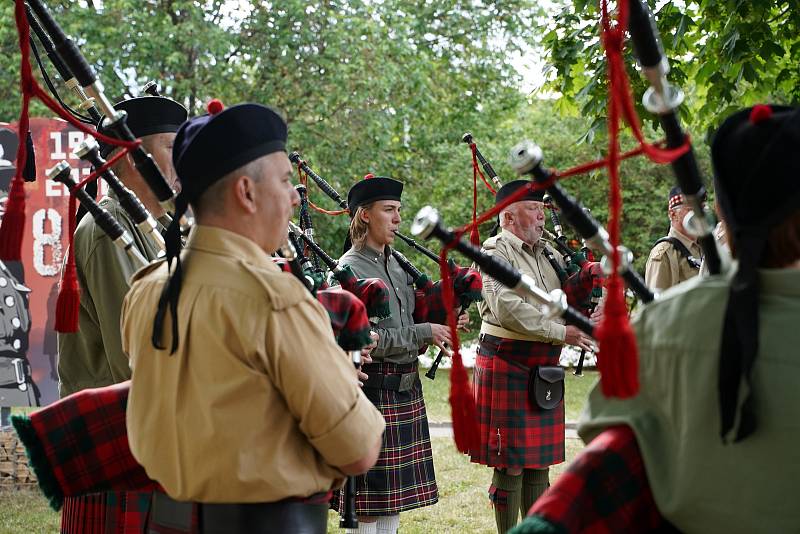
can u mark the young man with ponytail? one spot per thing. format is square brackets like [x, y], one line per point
[403, 478]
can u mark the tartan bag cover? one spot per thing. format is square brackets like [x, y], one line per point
[403, 478]
[513, 431]
[584, 285]
[373, 292]
[604, 490]
[428, 302]
[79, 445]
[348, 317]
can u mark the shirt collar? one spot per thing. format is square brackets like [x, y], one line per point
[518, 243]
[215, 240]
[687, 242]
[374, 255]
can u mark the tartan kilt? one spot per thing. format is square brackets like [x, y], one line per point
[113, 512]
[514, 433]
[403, 477]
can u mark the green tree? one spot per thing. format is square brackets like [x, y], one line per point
[382, 87]
[724, 54]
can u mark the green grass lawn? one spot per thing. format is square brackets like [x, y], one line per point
[436, 392]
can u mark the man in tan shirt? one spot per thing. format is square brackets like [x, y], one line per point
[519, 440]
[241, 406]
[676, 257]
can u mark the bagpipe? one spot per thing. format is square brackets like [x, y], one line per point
[617, 357]
[581, 279]
[575, 261]
[82, 81]
[526, 159]
[428, 302]
[372, 291]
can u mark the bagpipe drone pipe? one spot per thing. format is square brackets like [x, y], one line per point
[581, 279]
[428, 307]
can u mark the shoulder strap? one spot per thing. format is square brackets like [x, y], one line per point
[694, 263]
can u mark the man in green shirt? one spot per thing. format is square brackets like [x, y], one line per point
[92, 357]
[717, 419]
[403, 478]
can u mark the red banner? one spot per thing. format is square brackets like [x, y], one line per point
[43, 248]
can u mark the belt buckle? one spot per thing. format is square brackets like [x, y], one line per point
[19, 372]
[406, 381]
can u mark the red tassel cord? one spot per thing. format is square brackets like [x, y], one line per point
[462, 403]
[69, 295]
[617, 357]
[12, 227]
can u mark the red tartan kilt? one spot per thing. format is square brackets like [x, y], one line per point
[106, 513]
[514, 432]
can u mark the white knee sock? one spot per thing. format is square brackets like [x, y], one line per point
[388, 524]
[363, 528]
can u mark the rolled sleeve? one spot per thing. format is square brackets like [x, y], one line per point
[350, 439]
[319, 384]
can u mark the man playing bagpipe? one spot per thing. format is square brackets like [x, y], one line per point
[676, 257]
[241, 405]
[520, 439]
[709, 444]
[93, 357]
[403, 478]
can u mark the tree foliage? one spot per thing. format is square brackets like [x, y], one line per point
[725, 54]
[381, 87]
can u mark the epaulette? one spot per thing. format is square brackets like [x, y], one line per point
[658, 251]
[282, 290]
[147, 269]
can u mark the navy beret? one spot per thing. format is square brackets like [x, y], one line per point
[208, 147]
[512, 187]
[147, 115]
[372, 189]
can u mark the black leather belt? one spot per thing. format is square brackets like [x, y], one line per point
[245, 518]
[402, 382]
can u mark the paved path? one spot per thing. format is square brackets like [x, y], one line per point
[445, 430]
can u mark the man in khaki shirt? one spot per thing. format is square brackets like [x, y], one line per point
[676, 257]
[241, 406]
[519, 440]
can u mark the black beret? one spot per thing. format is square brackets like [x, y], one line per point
[512, 187]
[756, 154]
[147, 115]
[210, 146]
[372, 189]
